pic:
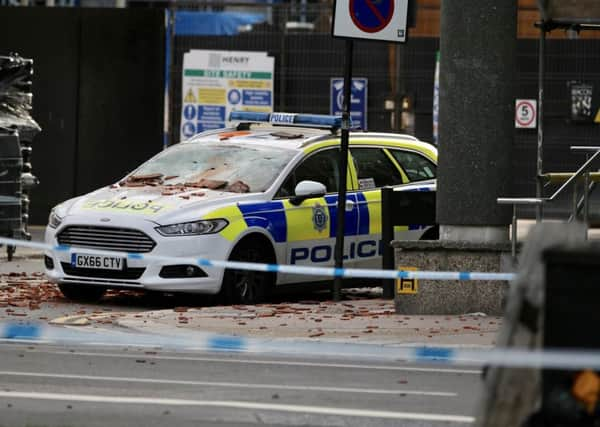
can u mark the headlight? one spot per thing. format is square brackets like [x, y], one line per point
[54, 220]
[210, 226]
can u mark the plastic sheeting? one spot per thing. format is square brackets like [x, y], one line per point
[16, 96]
[193, 23]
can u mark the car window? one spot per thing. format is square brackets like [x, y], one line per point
[321, 167]
[416, 167]
[231, 167]
[374, 168]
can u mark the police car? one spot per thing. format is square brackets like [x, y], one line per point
[263, 190]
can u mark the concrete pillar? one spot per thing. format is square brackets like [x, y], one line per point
[476, 118]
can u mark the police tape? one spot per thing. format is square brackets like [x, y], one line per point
[33, 333]
[277, 268]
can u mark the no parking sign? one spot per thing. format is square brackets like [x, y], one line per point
[371, 19]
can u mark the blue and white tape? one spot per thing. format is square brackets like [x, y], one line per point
[278, 268]
[197, 341]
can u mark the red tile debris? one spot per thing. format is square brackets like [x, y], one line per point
[266, 314]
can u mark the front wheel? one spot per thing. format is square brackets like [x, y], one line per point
[82, 293]
[245, 286]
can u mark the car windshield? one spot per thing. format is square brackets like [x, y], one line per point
[229, 167]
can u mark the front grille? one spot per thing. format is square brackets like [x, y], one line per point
[127, 274]
[181, 272]
[108, 238]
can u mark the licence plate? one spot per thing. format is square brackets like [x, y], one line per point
[103, 262]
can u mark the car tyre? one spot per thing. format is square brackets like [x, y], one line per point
[82, 293]
[245, 286]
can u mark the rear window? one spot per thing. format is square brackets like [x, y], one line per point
[374, 168]
[416, 166]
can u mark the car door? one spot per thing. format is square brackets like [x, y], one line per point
[312, 224]
[375, 168]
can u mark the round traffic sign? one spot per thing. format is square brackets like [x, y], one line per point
[525, 113]
[371, 16]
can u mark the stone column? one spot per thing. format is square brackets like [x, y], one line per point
[476, 121]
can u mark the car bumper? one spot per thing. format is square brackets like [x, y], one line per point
[143, 270]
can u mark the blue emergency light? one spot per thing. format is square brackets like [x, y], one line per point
[289, 119]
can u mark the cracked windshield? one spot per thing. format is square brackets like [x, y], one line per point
[351, 213]
[214, 166]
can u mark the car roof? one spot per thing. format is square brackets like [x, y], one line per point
[307, 138]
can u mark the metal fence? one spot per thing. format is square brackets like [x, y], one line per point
[297, 35]
[307, 57]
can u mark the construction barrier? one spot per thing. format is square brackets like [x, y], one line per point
[276, 268]
[198, 341]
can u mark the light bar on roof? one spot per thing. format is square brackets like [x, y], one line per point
[289, 119]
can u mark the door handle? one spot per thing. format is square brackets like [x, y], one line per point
[349, 205]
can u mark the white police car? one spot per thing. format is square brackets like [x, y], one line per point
[258, 191]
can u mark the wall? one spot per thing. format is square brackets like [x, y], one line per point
[98, 94]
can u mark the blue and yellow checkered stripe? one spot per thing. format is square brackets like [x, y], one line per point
[287, 223]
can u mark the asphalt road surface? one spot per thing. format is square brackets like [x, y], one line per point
[111, 386]
[63, 386]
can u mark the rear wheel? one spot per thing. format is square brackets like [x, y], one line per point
[82, 293]
[245, 286]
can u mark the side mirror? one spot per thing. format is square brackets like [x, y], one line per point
[306, 190]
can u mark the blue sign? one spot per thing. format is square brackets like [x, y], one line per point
[211, 113]
[371, 16]
[257, 97]
[189, 112]
[202, 126]
[188, 129]
[358, 100]
[234, 96]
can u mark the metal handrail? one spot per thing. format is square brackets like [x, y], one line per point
[541, 200]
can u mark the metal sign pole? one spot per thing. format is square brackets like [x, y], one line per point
[343, 168]
[539, 186]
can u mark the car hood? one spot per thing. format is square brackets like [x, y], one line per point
[159, 204]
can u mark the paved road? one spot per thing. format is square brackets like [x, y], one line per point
[43, 385]
[58, 386]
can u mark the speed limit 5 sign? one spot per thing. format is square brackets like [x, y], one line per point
[526, 113]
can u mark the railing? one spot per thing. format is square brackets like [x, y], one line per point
[573, 178]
